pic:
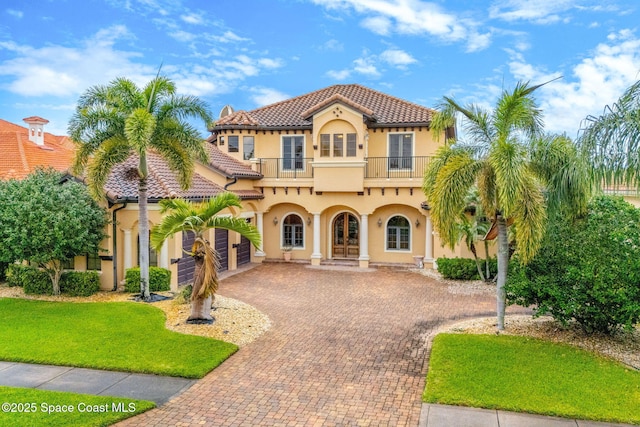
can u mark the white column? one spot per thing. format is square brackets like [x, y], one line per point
[428, 247]
[260, 226]
[164, 255]
[316, 256]
[364, 237]
[364, 241]
[128, 250]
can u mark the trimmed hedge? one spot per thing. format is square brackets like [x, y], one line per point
[31, 279]
[80, 283]
[37, 282]
[464, 268]
[159, 279]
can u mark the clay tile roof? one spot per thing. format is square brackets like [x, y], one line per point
[240, 118]
[21, 156]
[228, 165]
[387, 110]
[122, 183]
[337, 98]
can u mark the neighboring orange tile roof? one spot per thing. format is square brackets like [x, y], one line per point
[21, 156]
[382, 109]
[228, 165]
[122, 183]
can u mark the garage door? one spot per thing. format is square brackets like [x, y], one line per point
[222, 248]
[244, 251]
[186, 266]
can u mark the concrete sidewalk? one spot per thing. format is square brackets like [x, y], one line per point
[158, 389]
[459, 416]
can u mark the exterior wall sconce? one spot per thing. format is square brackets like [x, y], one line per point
[417, 222]
[308, 220]
[360, 146]
[379, 222]
[315, 147]
[221, 140]
[275, 220]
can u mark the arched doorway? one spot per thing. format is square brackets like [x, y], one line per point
[346, 236]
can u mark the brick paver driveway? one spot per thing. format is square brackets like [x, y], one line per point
[346, 348]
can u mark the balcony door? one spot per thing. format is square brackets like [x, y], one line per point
[346, 236]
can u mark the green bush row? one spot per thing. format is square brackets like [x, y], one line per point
[37, 282]
[159, 279]
[464, 268]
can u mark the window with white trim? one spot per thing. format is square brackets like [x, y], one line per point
[232, 143]
[293, 231]
[292, 152]
[398, 234]
[400, 150]
[248, 147]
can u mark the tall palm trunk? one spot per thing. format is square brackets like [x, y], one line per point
[200, 307]
[472, 247]
[486, 264]
[143, 229]
[503, 264]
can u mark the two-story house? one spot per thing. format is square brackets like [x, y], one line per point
[341, 174]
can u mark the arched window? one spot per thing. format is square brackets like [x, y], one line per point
[398, 234]
[293, 231]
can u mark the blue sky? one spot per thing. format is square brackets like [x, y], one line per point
[255, 52]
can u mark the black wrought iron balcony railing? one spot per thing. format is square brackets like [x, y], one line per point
[289, 168]
[396, 167]
[376, 167]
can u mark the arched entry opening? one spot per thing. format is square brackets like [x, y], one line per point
[346, 236]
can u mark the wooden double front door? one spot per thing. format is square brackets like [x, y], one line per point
[346, 236]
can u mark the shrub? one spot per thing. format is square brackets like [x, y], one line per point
[464, 268]
[35, 281]
[587, 270]
[80, 283]
[13, 274]
[159, 279]
[3, 269]
[31, 279]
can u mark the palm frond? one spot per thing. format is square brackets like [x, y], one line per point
[238, 225]
[565, 172]
[110, 153]
[456, 173]
[509, 164]
[529, 218]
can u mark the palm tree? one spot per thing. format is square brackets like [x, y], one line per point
[519, 172]
[118, 120]
[612, 141]
[185, 216]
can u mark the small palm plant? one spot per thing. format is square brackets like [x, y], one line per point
[184, 216]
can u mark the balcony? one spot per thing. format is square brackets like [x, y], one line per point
[396, 167]
[286, 168]
[375, 168]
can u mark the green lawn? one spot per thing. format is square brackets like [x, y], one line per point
[120, 336]
[30, 407]
[530, 375]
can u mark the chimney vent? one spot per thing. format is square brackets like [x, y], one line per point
[36, 129]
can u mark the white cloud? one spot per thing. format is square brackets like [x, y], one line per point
[411, 17]
[193, 18]
[539, 11]
[332, 45]
[596, 81]
[339, 75]
[64, 71]
[182, 36]
[378, 24]
[366, 66]
[15, 13]
[265, 96]
[397, 58]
